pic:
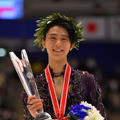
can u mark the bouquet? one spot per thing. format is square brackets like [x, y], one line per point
[84, 111]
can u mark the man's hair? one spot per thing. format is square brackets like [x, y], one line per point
[74, 30]
[62, 22]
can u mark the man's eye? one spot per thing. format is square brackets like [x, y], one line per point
[52, 38]
[64, 39]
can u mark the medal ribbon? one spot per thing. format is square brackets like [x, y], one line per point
[59, 110]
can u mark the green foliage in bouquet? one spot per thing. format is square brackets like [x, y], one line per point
[72, 117]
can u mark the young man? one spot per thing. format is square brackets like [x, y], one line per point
[59, 85]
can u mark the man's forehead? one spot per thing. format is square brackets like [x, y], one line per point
[55, 34]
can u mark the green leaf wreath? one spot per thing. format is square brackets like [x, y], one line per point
[42, 24]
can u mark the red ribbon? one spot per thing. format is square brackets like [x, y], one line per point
[63, 119]
[59, 109]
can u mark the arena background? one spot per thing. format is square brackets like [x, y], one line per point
[98, 54]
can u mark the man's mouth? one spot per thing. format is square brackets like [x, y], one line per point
[57, 50]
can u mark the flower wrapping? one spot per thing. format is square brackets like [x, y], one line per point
[84, 111]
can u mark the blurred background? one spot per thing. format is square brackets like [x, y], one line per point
[99, 54]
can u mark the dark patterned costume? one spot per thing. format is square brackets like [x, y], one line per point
[84, 88]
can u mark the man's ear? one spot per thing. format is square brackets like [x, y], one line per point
[71, 47]
[43, 43]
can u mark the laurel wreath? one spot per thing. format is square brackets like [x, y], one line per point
[42, 24]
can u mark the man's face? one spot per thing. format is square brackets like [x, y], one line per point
[57, 43]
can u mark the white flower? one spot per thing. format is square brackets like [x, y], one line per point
[93, 113]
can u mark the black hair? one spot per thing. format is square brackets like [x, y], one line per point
[62, 22]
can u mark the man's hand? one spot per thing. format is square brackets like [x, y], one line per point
[34, 104]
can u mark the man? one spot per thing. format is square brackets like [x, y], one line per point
[59, 85]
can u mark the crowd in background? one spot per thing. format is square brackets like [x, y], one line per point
[11, 88]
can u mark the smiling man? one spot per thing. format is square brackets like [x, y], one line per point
[59, 85]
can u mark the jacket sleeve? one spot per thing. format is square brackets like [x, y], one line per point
[27, 115]
[94, 96]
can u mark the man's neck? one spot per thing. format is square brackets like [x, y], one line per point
[57, 66]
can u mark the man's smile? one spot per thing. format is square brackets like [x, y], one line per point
[55, 50]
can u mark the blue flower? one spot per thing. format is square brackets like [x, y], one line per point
[79, 110]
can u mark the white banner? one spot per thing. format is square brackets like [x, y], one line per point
[115, 28]
[94, 27]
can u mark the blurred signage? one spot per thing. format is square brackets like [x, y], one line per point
[94, 27]
[115, 28]
[11, 9]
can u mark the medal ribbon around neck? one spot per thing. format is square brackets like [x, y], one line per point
[59, 110]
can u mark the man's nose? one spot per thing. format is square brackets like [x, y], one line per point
[58, 43]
